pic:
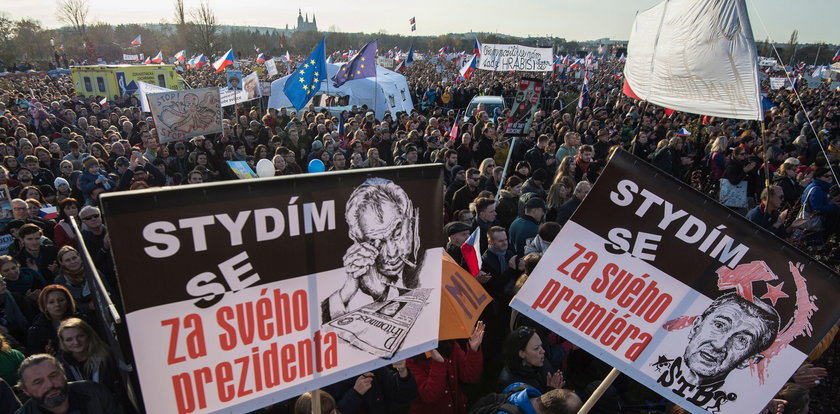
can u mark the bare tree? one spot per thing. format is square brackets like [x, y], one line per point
[74, 13]
[180, 13]
[205, 27]
[792, 44]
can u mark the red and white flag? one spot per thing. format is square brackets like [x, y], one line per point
[471, 249]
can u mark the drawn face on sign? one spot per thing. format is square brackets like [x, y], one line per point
[730, 332]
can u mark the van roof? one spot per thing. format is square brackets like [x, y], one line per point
[487, 98]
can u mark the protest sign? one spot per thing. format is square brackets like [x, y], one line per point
[681, 294]
[181, 115]
[767, 61]
[778, 83]
[252, 86]
[229, 97]
[525, 105]
[242, 169]
[132, 58]
[500, 57]
[6, 211]
[271, 67]
[234, 80]
[257, 291]
[144, 89]
[265, 88]
[462, 300]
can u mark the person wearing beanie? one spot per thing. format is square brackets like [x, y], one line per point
[92, 178]
[536, 183]
[456, 232]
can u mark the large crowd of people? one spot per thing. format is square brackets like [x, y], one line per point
[60, 152]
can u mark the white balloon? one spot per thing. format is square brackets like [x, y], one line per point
[265, 168]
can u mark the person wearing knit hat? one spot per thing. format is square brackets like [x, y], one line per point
[456, 233]
[60, 182]
[93, 178]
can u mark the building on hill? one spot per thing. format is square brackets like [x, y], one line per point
[303, 23]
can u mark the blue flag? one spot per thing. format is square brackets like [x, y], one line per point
[306, 79]
[410, 58]
[363, 65]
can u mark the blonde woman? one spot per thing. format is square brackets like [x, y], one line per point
[84, 355]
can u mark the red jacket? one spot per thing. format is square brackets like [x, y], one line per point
[439, 383]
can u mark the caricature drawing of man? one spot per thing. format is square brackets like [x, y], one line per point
[382, 263]
[730, 333]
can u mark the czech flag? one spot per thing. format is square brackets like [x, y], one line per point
[470, 250]
[836, 56]
[136, 41]
[224, 61]
[477, 48]
[104, 101]
[148, 61]
[200, 61]
[180, 56]
[261, 58]
[469, 68]
[158, 58]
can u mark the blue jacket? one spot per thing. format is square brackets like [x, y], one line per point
[818, 198]
[522, 399]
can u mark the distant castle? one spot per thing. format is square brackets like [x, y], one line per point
[303, 24]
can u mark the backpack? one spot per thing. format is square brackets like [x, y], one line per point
[498, 403]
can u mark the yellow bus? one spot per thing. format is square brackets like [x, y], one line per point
[117, 80]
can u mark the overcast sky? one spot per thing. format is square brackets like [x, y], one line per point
[816, 20]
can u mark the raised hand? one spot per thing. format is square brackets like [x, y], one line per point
[477, 336]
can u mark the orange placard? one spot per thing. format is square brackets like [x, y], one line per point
[462, 301]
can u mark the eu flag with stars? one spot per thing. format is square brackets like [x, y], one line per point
[363, 65]
[306, 79]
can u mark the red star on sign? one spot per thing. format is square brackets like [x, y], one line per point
[775, 293]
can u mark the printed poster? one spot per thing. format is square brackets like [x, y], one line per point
[180, 115]
[252, 86]
[234, 80]
[257, 291]
[525, 105]
[681, 294]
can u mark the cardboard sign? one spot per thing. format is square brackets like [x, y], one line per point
[241, 294]
[180, 115]
[683, 295]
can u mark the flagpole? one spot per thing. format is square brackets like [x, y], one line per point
[504, 172]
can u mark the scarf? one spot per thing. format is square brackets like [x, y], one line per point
[77, 278]
[500, 254]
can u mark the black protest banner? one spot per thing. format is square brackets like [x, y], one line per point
[685, 296]
[246, 293]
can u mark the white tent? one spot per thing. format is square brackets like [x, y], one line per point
[387, 91]
[695, 56]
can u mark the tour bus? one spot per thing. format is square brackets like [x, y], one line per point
[116, 80]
